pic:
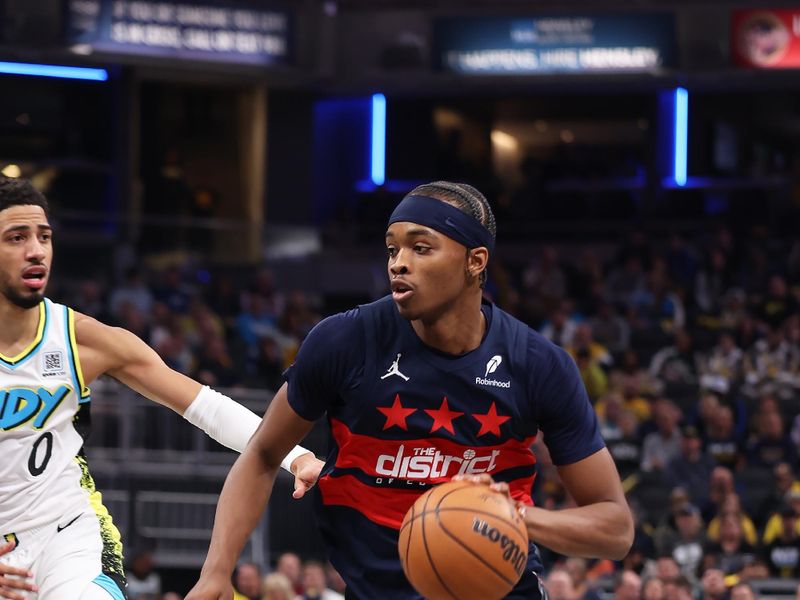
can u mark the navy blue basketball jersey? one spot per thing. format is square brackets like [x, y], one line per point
[404, 417]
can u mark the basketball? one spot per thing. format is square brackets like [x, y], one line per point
[462, 540]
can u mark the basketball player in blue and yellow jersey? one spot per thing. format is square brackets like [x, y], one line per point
[60, 542]
[429, 383]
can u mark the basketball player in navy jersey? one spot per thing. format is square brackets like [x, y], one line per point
[429, 383]
[59, 540]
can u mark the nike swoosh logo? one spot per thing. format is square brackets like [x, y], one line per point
[59, 528]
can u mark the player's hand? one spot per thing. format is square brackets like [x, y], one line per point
[13, 578]
[500, 487]
[211, 587]
[306, 469]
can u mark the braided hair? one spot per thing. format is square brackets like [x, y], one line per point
[465, 198]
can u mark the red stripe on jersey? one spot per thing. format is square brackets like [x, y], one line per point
[387, 506]
[427, 460]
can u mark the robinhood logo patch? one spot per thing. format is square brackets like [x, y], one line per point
[491, 367]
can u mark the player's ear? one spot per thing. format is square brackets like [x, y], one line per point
[477, 260]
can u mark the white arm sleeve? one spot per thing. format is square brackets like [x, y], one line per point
[228, 422]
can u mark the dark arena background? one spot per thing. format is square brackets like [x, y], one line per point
[221, 173]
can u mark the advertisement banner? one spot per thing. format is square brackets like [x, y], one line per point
[555, 44]
[766, 39]
[234, 32]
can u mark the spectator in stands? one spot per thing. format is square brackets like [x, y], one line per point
[276, 586]
[779, 304]
[626, 282]
[289, 564]
[133, 291]
[172, 290]
[713, 585]
[782, 554]
[743, 591]
[627, 586]
[732, 505]
[610, 329]
[771, 444]
[314, 584]
[578, 571]
[559, 585]
[267, 369]
[224, 299]
[731, 553]
[144, 583]
[688, 545]
[215, 367]
[721, 441]
[90, 299]
[667, 528]
[772, 364]
[583, 341]
[723, 368]
[608, 409]
[593, 376]
[711, 283]
[682, 261]
[662, 445]
[560, 328]
[658, 308]
[676, 364]
[256, 321]
[653, 589]
[263, 286]
[783, 482]
[679, 588]
[634, 381]
[544, 282]
[247, 582]
[774, 527]
[692, 467]
[720, 486]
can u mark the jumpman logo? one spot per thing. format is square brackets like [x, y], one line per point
[395, 369]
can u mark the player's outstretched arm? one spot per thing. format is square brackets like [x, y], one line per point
[14, 580]
[122, 355]
[245, 494]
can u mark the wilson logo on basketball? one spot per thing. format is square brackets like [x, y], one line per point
[430, 463]
[513, 554]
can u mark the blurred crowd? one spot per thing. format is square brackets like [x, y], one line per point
[289, 579]
[223, 331]
[689, 349]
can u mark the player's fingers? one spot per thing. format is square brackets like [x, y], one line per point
[7, 547]
[18, 583]
[300, 488]
[8, 587]
[482, 479]
[9, 570]
[501, 487]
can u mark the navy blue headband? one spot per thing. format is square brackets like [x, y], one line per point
[444, 218]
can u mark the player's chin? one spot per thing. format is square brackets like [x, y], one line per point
[27, 298]
[407, 310]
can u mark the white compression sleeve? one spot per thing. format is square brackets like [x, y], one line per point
[228, 422]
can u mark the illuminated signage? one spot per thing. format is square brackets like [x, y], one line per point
[766, 39]
[237, 32]
[555, 44]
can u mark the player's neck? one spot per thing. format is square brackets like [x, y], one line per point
[457, 331]
[18, 328]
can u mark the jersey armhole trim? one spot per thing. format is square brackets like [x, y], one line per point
[84, 393]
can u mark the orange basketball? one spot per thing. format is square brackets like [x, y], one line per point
[462, 540]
